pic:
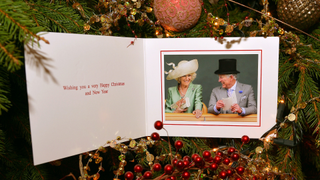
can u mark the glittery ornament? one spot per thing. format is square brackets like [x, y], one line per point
[229, 29]
[301, 14]
[131, 18]
[291, 117]
[177, 15]
[259, 150]
[148, 9]
[220, 31]
[86, 27]
[150, 157]
[132, 143]
[122, 9]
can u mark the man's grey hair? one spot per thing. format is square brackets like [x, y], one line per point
[234, 75]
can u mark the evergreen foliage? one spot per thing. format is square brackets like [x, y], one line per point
[21, 21]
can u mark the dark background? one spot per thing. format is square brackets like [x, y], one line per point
[247, 64]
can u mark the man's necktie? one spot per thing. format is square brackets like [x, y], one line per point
[229, 92]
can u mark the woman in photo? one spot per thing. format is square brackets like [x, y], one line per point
[186, 97]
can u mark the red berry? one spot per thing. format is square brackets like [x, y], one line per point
[180, 165]
[235, 156]
[147, 175]
[226, 161]
[213, 166]
[156, 167]
[240, 170]
[185, 175]
[138, 168]
[206, 154]
[155, 136]
[168, 169]
[231, 150]
[129, 175]
[178, 144]
[219, 153]
[245, 139]
[217, 159]
[229, 172]
[223, 174]
[158, 125]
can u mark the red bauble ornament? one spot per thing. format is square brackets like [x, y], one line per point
[186, 163]
[178, 144]
[206, 154]
[173, 178]
[147, 175]
[185, 175]
[217, 159]
[254, 178]
[168, 169]
[168, 178]
[156, 167]
[226, 161]
[213, 166]
[198, 160]
[240, 170]
[138, 168]
[174, 161]
[237, 178]
[180, 165]
[194, 156]
[158, 125]
[155, 136]
[223, 174]
[229, 172]
[187, 158]
[177, 15]
[219, 153]
[231, 150]
[245, 139]
[235, 156]
[129, 175]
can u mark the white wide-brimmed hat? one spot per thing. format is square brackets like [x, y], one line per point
[184, 67]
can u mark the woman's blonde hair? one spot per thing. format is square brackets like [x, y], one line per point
[193, 76]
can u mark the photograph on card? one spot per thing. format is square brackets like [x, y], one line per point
[212, 86]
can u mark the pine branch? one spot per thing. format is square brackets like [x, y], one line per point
[13, 25]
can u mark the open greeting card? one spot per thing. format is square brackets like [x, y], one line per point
[84, 90]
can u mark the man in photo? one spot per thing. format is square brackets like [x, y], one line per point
[232, 96]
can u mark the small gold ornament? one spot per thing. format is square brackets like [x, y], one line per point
[132, 143]
[150, 157]
[220, 31]
[259, 150]
[229, 29]
[221, 21]
[148, 9]
[86, 27]
[291, 117]
[98, 160]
